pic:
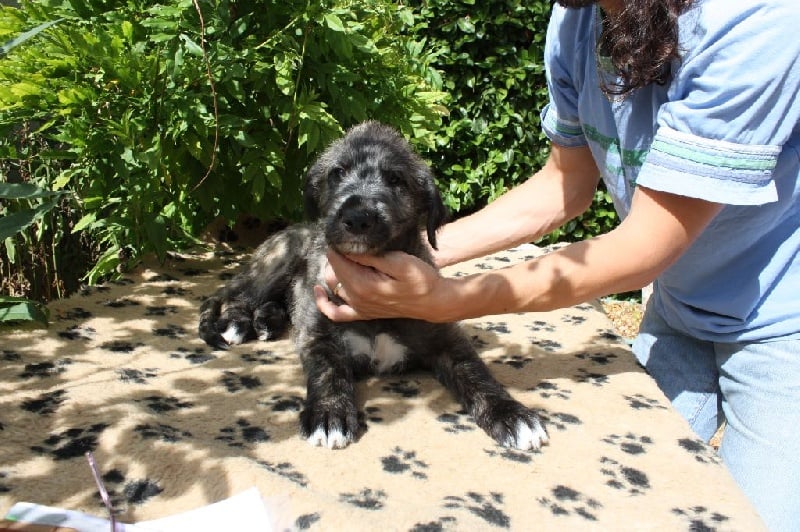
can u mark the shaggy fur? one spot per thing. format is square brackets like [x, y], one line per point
[367, 193]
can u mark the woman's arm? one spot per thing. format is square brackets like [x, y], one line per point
[561, 190]
[659, 228]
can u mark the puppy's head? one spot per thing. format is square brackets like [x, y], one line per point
[373, 192]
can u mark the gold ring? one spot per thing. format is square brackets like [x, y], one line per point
[336, 289]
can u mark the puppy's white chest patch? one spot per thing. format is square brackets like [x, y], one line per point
[384, 350]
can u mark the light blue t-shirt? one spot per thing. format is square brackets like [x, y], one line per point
[726, 129]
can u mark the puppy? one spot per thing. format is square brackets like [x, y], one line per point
[367, 193]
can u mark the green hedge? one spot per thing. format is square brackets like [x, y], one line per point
[156, 117]
[159, 117]
[490, 55]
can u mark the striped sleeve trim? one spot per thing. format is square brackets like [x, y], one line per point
[562, 132]
[715, 170]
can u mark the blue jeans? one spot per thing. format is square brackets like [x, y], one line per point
[755, 387]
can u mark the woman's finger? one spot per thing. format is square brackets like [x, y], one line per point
[333, 311]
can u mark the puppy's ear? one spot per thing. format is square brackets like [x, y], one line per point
[436, 211]
[311, 191]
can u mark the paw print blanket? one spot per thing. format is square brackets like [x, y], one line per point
[174, 425]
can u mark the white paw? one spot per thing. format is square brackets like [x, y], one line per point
[332, 440]
[528, 438]
[232, 335]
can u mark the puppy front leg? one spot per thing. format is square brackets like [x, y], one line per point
[505, 419]
[330, 418]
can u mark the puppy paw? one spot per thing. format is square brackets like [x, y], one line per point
[513, 425]
[234, 334]
[270, 321]
[333, 427]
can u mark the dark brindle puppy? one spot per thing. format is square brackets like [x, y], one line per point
[369, 193]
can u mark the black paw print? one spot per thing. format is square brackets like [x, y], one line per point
[700, 518]
[549, 389]
[601, 359]
[496, 327]
[487, 507]
[445, 522]
[87, 290]
[515, 361]
[163, 310]
[193, 272]
[174, 291]
[71, 443]
[458, 422]
[236, 383]
[242, 434]
[262, 358]
[45, 369]
[161, 403]
[136, 376]
[46, 403]
[573, 319]
[560, 420]
[404, 388]
[595, 379]
[546, 345]
[608, 334]
[197, 355]
[401, 461]
[640, 402]
[283, 403]
[285, 470]
[629, 443]
[372, 413]
[703, 453]
[366, 499]
[76, 313]
[170, 331]
[78, 332]
[9, 356]
[162, 278]
[163, 432]
[305, 521]
[122, 493]
[120, 346]
[566, 501]
[624, 478]
[513, 455]
[121, 303]
[540, 326]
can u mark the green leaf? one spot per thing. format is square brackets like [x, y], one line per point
[334, 22]
[85, 222]
[23, 37]
[26, 191]
[17, 222]
[16, 309]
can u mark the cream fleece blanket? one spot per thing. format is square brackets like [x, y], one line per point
[174, 425]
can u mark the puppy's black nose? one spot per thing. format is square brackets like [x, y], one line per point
[359, 221]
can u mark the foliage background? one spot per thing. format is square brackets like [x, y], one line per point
[153, 118]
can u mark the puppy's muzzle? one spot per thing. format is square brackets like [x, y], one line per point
[359, 226]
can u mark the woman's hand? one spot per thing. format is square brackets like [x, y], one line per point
[394, 285]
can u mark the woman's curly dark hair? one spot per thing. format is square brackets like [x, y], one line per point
[642, 42]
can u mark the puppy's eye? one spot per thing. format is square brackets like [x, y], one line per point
[393, 178]
[336, 174]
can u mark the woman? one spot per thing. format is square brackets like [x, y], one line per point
[688, 112]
